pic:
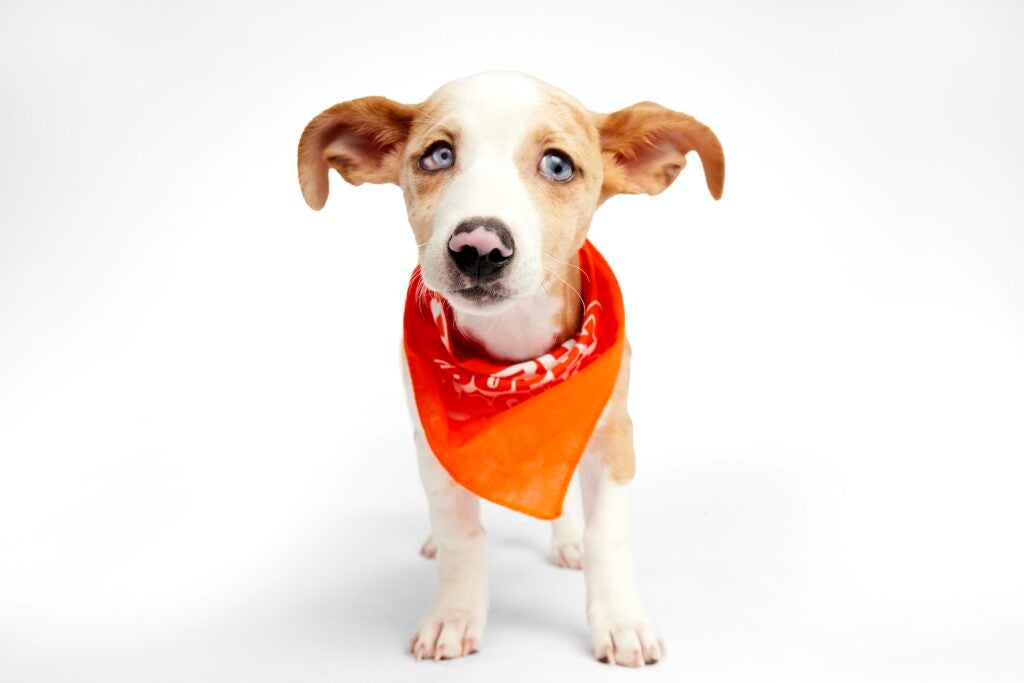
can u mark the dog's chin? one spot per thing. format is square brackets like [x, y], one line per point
[480, 299]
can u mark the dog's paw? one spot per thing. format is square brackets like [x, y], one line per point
[626, 639]
[567, 553]
[567, 543]
[429, 548]
[446, 634]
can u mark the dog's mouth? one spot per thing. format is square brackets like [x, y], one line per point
[482, 294]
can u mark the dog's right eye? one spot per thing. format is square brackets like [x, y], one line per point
[438, 156]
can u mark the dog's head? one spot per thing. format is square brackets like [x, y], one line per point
[501, 174]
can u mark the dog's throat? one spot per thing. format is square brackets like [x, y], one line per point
[520, 336]
[533, 327]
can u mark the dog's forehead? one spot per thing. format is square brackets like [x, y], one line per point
[500, 104]
[489, 93]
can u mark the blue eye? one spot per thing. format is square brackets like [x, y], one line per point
[438, 156]
[557, 166]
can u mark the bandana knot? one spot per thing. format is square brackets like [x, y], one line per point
[487, 393]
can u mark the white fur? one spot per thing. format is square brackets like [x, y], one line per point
[495, 111]
[525, 329]
[454, 625]
[620, 629]
[567, 531]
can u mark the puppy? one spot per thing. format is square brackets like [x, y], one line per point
[516, 364]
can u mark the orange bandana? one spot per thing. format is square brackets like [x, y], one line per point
[513, 434]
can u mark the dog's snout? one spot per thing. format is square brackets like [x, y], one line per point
[481, 247]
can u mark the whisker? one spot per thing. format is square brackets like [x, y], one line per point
[566, 263]
[578, 295]
[421, 289]
[459, 327]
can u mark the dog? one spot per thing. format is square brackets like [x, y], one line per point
[501, 175]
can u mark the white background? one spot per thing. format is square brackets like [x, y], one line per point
[205, 465]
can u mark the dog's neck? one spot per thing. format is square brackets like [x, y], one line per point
[535, 324]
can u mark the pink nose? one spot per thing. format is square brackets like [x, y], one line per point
[483, 240]
[481, 248]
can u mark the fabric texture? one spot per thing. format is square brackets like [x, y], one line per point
[514, 433]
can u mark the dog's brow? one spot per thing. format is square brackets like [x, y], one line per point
[556, 136]
[558, 139]
[436, 132]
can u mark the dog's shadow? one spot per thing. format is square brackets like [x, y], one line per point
[383, 590]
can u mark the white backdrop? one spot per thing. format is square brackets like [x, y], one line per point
[205, 465]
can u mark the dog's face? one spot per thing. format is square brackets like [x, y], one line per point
[501, 175]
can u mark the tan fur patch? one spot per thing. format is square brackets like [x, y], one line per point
[614, 436]
[422, 189]
[566, 288]
[565, 207]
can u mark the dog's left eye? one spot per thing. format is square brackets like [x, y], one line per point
[438, 156]
[557, 166]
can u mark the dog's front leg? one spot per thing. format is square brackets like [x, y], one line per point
[455, 623]
[567, 532]
[620, 628]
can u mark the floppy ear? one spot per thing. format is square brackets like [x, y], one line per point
[360, 139]
[644, 147]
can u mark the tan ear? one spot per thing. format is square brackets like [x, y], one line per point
[360, 139]
[644, 147]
